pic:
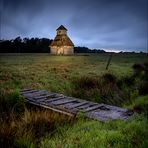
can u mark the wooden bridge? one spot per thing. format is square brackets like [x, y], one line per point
[72, 106]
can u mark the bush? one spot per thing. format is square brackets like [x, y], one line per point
[126, 81]
[102, 89]
[140, 105]
[138, 68]
[11, 101]
[16, 102]
[146, 67]
[143, 87]
[86, 82]
[109, 78]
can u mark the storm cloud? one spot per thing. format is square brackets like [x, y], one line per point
[107, 24]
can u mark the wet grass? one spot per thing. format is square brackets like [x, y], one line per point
[114, 134]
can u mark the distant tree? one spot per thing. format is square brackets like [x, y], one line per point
[36, 45]
[17, 43]
[87, 50]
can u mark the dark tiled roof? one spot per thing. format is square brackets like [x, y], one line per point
[61, 28]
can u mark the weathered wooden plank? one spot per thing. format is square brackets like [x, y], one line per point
[93, 108]
[104, 115]
[78, 104]
[35, 95]
[52, 95]
[31, 95]
[30, 91]
[41, 100]
[44, 96]
[116, 108]
[54, 99]
[94, 115]
[59, 101]
[70, 105]
[86, 105]
[53, 108]
[47, 99]
[40, 93]
[63, 102]
[29, 99]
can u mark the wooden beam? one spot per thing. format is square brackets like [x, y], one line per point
[53, 109]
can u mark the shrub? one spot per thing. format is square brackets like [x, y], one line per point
[16, 102]
[86, 87]
[86, 82]
[140, 105]
[138, 68]
[126, 81]
[109, 78]
[11, 101]
[143, 87]
[102, 89]
[146, 67]
[134, 94]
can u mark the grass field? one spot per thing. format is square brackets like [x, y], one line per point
[42, 71]
[82, 76]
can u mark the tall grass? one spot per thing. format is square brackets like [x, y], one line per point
[101, 89]
[28, 129]
[116, 134]
[112, 89]
[80, 76]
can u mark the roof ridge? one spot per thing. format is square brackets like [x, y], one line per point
[61, 28]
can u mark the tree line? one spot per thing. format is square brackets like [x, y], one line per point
[35, 45]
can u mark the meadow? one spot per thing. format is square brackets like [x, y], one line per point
[84, 76]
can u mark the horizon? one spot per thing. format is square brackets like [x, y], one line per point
[105, 49]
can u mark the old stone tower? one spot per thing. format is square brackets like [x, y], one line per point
[62, 45]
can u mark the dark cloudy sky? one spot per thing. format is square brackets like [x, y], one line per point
[109, 24]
